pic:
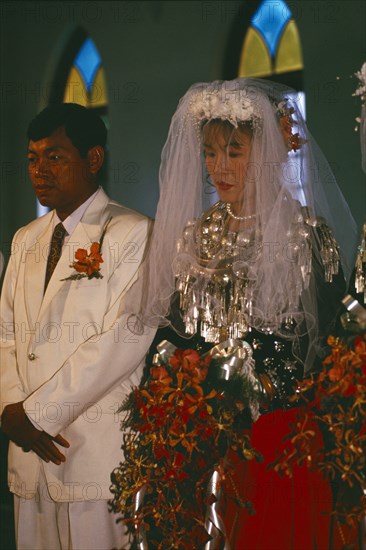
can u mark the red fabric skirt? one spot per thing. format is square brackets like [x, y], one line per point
[290, 513]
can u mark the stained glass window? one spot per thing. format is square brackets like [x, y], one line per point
[272, 42]
[86, 83]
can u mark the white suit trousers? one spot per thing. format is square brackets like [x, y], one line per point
[42, 524]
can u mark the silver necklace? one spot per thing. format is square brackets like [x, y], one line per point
[238, 218]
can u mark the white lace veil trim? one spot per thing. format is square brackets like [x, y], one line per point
[283, 182]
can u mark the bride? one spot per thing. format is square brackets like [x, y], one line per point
[252, 241]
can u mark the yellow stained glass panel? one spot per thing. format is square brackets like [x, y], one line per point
[289, 55]
[98, 92]
[254, 59]
[75, 91]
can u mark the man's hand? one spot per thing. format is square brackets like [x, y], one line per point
[17, 426]
[46, 450]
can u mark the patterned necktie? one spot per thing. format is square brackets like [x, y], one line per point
[55, 251]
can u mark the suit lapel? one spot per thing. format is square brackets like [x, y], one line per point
[88, 230]
[35, 268]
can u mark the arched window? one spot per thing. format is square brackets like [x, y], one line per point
[272, 43]
[79, 78]
[86, 81]
[264, 42]
[79, 75]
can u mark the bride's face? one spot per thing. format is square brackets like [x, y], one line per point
[227, 153]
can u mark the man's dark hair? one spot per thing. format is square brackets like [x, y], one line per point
[83, 127]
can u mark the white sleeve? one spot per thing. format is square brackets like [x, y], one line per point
[11, 387]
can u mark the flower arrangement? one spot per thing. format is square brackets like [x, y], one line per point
[88, 264]
[336, 411]
[178, 428]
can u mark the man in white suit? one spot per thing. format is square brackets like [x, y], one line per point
[67, 356]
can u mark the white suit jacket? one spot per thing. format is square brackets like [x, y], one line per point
[68, 353]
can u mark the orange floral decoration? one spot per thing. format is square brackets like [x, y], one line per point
[335, 414]
[293, 140]
[178, 428]
[88, 263]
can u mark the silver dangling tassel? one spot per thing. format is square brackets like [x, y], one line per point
[329, 252]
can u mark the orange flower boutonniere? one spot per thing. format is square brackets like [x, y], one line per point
[88, 264]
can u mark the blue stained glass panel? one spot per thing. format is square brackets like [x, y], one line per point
[269, 20]
[88, 61]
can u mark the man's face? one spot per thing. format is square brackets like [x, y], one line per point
[61, 178]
